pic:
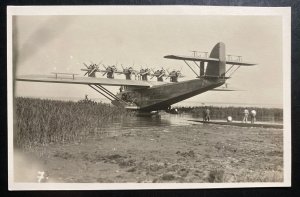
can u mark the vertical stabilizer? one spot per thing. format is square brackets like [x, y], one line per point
[217, 68]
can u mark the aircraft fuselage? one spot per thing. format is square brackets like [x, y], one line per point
[159, 97]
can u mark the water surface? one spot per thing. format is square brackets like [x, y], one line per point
[163, 121]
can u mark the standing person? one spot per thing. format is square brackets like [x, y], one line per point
[204, 114]
[252, 116]
[246, 114]
[207, 114]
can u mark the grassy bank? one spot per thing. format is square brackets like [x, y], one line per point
[46, 121]
[263, 114]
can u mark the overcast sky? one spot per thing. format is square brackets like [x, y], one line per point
[44, 44]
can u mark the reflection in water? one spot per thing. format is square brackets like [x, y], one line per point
[164, 120]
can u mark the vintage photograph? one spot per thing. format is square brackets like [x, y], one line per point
[172, 97]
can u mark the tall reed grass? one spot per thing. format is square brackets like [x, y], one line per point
[262, 114]
[40, 121]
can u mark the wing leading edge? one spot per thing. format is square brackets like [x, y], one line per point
[82, 80]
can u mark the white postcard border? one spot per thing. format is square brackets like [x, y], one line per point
[285, 12]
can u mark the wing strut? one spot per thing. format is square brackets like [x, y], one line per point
[108, 92]
[234, 71]
[101, 92]
[229, 69]
[196, 64]
[191, 68]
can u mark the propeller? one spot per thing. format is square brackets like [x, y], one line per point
[87, 70]
[108, 69]
[174, 73]
[144, 71]
[132, 71]
[168, 73]
[100, 63]
[105, 68]
[154, 73]
[163, 72]
[91, 69]
[159, 73]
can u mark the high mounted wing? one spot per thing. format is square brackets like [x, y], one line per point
[71, 79]
[189, 58]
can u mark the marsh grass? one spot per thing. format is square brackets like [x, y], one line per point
[40, 122]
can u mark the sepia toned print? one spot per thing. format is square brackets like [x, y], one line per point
[158, 101]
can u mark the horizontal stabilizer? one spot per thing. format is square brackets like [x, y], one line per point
[82, 80]
[189, 58]
[192, 58]
[239, 63]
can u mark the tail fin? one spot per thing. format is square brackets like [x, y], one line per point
[217, 68]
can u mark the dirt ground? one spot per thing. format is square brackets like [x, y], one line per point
[190, 153]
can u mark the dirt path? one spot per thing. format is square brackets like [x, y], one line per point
[194, 153]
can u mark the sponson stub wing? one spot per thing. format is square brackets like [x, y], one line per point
[189, 58]
[71, 79]
[222, 89]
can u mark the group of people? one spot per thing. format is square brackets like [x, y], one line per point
[252, 116]
[252, 113]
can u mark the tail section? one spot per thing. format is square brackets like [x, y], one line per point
[217, 68]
